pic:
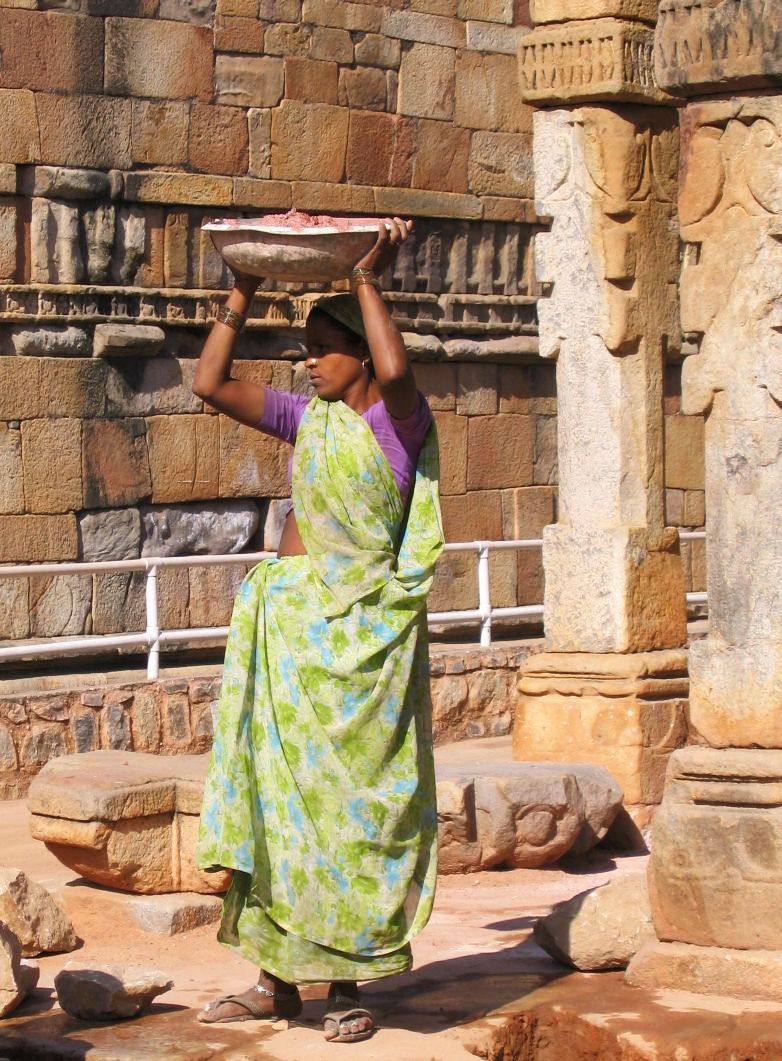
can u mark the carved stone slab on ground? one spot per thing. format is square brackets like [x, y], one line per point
[601, 928]
[38, 921]
[130, 820]
[109, 991]
[17, 977]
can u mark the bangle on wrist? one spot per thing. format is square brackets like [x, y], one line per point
[361, 276]
[230, 318]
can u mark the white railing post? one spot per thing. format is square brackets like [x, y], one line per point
[153, 624]
[484, 593]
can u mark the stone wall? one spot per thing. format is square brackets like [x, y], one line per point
[472, 696]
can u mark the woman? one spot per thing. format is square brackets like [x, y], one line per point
[320, 795]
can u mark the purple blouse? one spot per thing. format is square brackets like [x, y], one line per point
[400, 440]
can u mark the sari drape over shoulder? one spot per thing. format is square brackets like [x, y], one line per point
[321, 793]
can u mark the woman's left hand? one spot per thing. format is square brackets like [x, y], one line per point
[392, 233]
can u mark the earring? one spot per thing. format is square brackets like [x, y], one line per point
[365, 362]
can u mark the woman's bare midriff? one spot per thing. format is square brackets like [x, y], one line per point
[290, 539]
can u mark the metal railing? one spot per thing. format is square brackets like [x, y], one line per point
[153, 638]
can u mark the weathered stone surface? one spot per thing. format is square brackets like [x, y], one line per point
[60, 605]
[379, 149]
[726, 46]
[424, 27]
[500, 164]
[127, 340]
[180, 530]
[36, 919]
[308, 139]
[212, 593]
[17, 978]
[199, 12]
[546, 11]
[376, 50]
[151, 387]
[11, 475]
[55, 247]
[37, 539]
[218, 139]
[487, 94]
[427, 82]
[500, 450]
[183, 457]
[626, 713]
[108, 992]
[91, 131]
[52, 53]
[110, 535]
[259, 124]
[159, 132]
[168, 915]
[59, 182]
[68, 341]
[601, 928]
[21, 136]
[164, 60]
[9, 252]
[599, 59]
[251, 462]
[750, 974]
[331, 45]
[41, 439]
[249, 81]
[116, 463]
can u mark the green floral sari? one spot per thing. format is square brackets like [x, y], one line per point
[321, 792]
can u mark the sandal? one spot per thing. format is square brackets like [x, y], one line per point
[286, 1006]
[345, 1016]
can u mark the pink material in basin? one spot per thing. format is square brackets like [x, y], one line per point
[294, 246]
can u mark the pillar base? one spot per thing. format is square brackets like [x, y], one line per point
[749, 974]
[625, 712]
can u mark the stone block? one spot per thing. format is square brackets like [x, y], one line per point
[331, 45]
[601, 59]
[416, 203]
[489, 10]
[362, 17]
[115, 463]
[71, 387]
[18, 978]
[61, 182]
[259, 133]
[8, 178]
[546, 11]
[212, 593]
[199, 12]
[161, 60]
[266, 194]
[737, 974]
[380, 149]
[37, 539]
[281, 10]
[311, 81]
[196, 189]
[374, 49]
[427, 82]
[66, 341]
[20, 139]
[32, 914]
[247, 81]
[526, 511]
[441, 156]
[43, 743]
[108, 992]
[500, 450]
[599, 929]
[452, 437]
[472, 517]
[60, 605]
[151, 388]
[626, 713]
[159, 132]
[501, 164]
[218, 139]
[183, 457]
[84, 731]
[99, 225]
[244, 8]
[251, 464]
[51, 52]
[363, 88]
[422, 27]
[487, 94]
[287, 38]
[234, 34]
[694, 508]
[11, 476]
[309, 138]
[14, 621]
[180, 530]
[168, 915]
[319, 196]
[93, 131]
[454, 587]
[127, 340]
[8, 241]
[546, 467]
[684, 452]
[476, 393]
[118, 604]
[438, 383]
[55, 247]
[45, 442]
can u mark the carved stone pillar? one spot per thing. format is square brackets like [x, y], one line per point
[716, 871]
[612, 686]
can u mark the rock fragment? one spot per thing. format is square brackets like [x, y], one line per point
[601, 928]
[107, 992]
[33, 915]
[17, 977]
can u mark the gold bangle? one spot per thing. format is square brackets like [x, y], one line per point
[231, 318]
[360, 281]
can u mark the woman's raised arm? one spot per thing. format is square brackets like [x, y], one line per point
[213, 382]
[393, 374]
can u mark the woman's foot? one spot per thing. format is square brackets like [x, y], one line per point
[269, 999]
[345, 1021]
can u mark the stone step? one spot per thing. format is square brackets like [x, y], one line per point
[129, 820]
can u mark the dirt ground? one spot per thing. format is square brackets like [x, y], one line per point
[480, 986]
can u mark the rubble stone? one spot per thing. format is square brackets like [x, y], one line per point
[17, 978]
[114, 534]
[29, 911]
[599, 929]
[168, 915]
[108, 992]
[180, 530]
[69, 341]
[127, 340]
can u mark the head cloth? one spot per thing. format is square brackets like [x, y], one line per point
[345, 310]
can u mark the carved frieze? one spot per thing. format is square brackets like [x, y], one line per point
[703, 47]
[601, 59]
